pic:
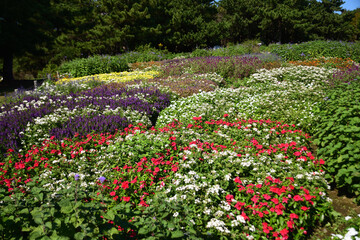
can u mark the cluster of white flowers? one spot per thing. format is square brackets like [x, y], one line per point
[217, 224]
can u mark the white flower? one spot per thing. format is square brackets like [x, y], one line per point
[176, 214]
[351, 233]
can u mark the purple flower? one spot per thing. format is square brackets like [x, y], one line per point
[76, 177]
[102, 179]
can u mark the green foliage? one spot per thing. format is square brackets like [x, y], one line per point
[69, 214]
[200, 53]
[191, 24]
[338, 133]
[94, 65]
[145, 53]
[317, 49]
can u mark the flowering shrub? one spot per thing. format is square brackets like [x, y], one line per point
[242, 179]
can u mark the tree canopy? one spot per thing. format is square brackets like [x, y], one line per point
[52, 31]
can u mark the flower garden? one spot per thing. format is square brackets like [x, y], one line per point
[241, 147]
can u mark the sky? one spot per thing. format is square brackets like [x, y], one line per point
[351, 4]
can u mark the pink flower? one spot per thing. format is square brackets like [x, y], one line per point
[294, 215]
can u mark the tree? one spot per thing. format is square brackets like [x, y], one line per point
[117, 23]
[73, 21]
[238, 20]
[23, 26]
[327, 22]
[192, 23]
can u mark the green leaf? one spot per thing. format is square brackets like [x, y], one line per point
[177, 234]
[48, 225]
[36, 233]
[109, 215]
[79, 236]
[143, 230]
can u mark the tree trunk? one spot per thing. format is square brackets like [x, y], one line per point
[8, 68]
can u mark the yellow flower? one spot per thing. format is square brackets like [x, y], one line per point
[114, 77]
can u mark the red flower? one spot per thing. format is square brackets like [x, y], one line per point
[238, 205]
[297, 198]
[255, 198]
[266, 228]
[266, 196]
[112, 193]
[290, 224]
[126, 199]
[294, 215]
[237, 180]
[275, 200]
[229, 198]
[284, 233]
[125, 185]
[304, 208]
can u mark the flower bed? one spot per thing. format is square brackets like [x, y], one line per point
[77, 169]
[113, 77]
[237, 66]
[326, 62]
[290, 94]
[36, 118]
[179, 86]
[243, 179]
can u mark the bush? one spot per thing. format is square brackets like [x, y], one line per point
[94, 65]
[317, 49]
[338, 134]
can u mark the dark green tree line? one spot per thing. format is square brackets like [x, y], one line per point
[53, 31]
